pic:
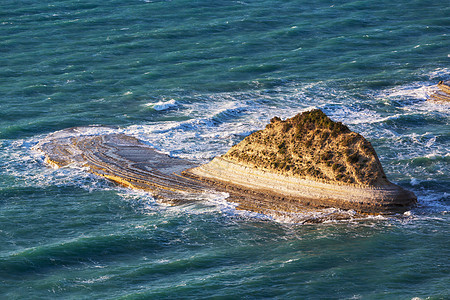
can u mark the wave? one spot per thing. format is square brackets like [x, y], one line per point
[80, 250]
[417, 91]
[163, 105]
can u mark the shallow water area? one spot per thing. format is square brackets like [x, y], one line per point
[229, 67]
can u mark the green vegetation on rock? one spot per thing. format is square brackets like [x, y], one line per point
[312, 146]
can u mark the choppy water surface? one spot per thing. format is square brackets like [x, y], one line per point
[192, 78]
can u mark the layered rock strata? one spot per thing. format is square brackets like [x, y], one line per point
[129, 162]
[122, 159]
[443, 92]
[288, 192]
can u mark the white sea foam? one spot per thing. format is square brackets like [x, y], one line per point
[421, 92]
[212, 128]
[413, 96]
[163, 105]
[439, 74]
[28, 169]
[96, 280]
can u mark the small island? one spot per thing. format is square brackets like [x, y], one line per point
[311, 160]
[292, 166]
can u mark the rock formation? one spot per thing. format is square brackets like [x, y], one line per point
[311, 146]
[443, 93]
[292, 166]
[308, 159]
[122, 159]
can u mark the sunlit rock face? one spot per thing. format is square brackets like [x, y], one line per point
[311, 146]
[308, 159]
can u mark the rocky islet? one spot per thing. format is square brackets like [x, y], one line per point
[293, 165]
[310, 160]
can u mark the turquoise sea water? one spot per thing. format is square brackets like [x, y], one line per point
[192, 78]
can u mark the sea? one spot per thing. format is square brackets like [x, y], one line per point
[192, 78]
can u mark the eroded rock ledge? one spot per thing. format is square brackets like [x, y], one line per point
[292, 166]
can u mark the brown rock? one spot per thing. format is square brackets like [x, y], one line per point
[307, 160]
[311, 146]
[443, 92]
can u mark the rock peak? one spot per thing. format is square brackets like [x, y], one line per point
[311, 146]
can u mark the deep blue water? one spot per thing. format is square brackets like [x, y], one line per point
[193, 78]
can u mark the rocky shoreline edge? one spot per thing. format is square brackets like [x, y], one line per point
[443, 92]
[289, 191]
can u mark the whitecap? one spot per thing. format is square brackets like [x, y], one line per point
[161, 105]
[415, 181]
[419, 91]
[95, 280]
[439, 73]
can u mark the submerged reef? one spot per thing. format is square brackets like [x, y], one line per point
[293, 166]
